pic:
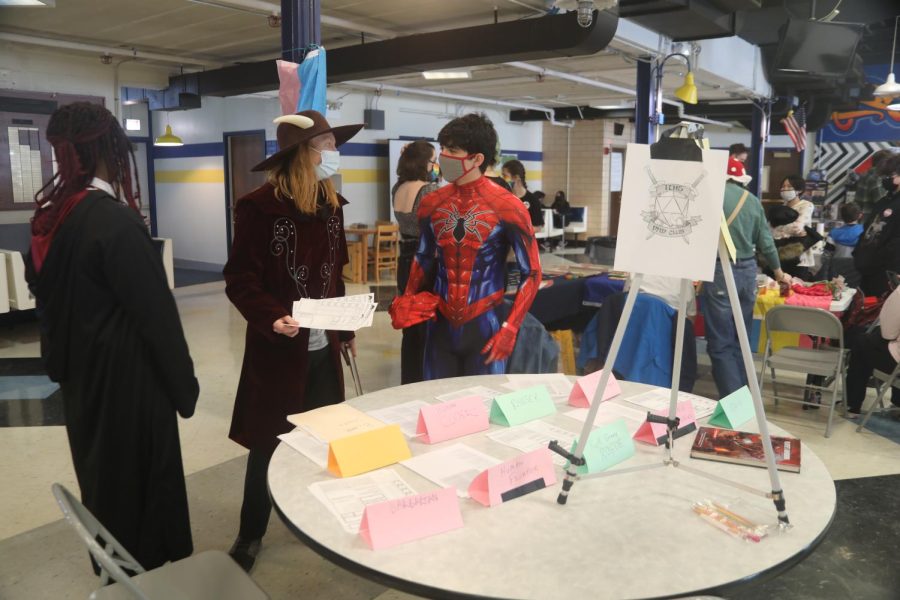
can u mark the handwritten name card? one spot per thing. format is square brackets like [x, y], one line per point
[657, 433]
[453, 419]
[733, 410]
[585, 387]
[367, 451]
[393, 522]
[522, 475]
[606, 446]
[522, 406]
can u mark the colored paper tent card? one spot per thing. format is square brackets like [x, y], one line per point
[367, 451]
[402, 520]
[585, 388]
[733, 410]
[522, 406]
[453, 419]
[657, 433]
[606, 446]
[522, 475]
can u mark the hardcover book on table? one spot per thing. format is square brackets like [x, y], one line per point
[742, 448]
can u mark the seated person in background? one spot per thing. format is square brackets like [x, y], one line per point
[560, 204]
[846, 237]
[798, 266]
[514, 173]
[879, 349]
[539, 196]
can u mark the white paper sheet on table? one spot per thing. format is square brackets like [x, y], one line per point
[534, 435]
[476, 390]
[454, 466]
[658, 399]
[307, 445]
[557, 384]
[346, 313]
[405, 415]
[347, 498]
[609, 412]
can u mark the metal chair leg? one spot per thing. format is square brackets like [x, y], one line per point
[834, 390]
[878, 402]
[774, 387]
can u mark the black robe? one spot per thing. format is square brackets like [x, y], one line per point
[112, 338]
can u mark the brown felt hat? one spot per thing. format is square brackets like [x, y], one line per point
[293, 130]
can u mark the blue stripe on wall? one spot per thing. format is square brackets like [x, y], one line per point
[349, 149]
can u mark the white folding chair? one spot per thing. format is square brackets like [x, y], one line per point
[210, 575]
[826, 361]
[888, 380]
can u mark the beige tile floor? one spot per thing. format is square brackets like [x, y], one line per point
[40, 557]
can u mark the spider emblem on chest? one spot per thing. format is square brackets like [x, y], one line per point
[460, 224]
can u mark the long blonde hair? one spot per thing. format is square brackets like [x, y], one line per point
[295, 181]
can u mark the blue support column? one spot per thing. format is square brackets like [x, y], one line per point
[300, 20]
[759, 131]
[642, 103]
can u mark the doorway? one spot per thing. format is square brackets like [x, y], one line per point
[243, 151]
[778, 164]
[616, 171]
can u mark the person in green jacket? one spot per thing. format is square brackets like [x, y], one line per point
[750, 232]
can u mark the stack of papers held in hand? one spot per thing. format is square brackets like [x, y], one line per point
[347, 313]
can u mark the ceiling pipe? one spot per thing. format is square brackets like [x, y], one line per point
[612, 87]
[267, 8]
[129, 52]
[435, 94]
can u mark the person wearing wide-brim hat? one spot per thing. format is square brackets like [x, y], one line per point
[288, 244]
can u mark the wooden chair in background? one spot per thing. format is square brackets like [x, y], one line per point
[353, 270]
[385, 249]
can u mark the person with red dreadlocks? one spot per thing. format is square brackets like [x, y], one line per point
[111, 337]
[468, 228]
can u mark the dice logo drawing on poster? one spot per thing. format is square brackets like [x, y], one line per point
[670, 215]
[671, 205]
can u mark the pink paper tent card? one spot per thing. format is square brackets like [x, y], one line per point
[402, 520]
[657, 434]
[585, 387]
[453, 419]
[522, 475]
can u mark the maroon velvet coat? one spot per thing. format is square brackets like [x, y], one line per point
[278, 256]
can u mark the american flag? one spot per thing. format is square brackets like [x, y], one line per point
[795, 125]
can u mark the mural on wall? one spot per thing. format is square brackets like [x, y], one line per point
[847, 143]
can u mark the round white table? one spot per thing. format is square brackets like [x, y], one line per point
[629, 536]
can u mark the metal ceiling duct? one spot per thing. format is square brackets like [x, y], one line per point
[552, 36]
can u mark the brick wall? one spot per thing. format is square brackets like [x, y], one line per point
[588, 165]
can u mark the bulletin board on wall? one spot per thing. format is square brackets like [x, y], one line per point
[26, 159]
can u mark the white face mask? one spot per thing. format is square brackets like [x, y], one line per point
[331, 162]
[788, 195]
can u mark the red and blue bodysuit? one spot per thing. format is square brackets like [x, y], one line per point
[468, 230]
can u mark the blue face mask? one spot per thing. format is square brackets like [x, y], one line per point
[331, 162]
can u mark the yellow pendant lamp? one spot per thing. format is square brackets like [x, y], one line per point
[168, 138]
[687, 93]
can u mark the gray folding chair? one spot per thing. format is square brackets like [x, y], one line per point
[888, 380]
[825, 361]
[210, 575]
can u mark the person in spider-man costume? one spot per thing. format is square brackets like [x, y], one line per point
[467, 230]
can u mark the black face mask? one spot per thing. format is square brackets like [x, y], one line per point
[888, 183]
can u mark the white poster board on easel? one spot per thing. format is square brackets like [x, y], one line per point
[670, 215]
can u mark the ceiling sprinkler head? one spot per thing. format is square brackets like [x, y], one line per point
[585, 12]
[106, 59]
[274, 20]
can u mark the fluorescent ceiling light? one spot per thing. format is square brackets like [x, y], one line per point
[446, 74]
[27, 2]
[132, 124]
[612, 106]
